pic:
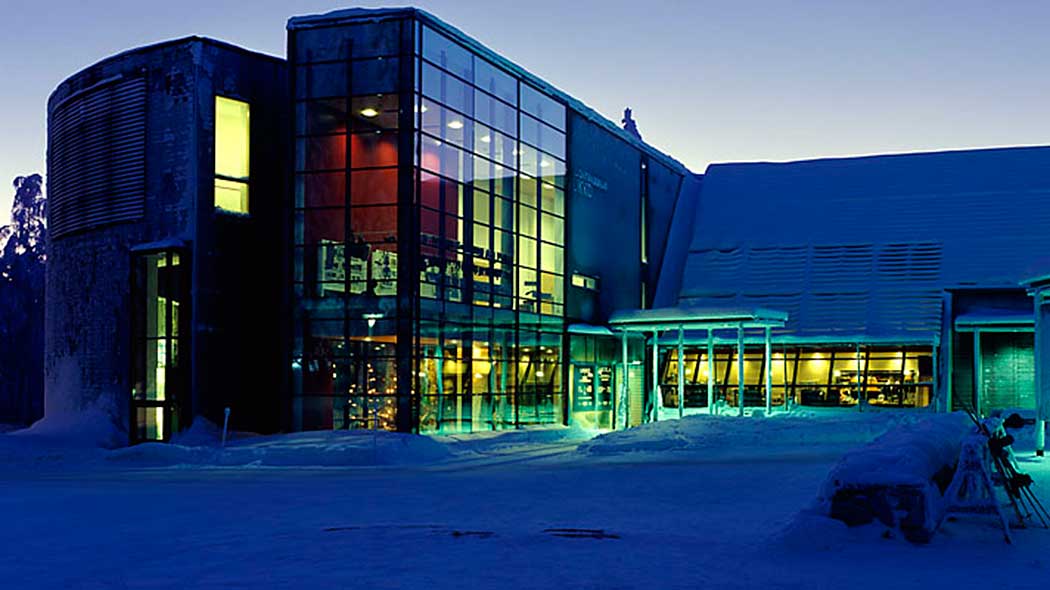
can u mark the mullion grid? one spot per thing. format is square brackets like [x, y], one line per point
[471, 187]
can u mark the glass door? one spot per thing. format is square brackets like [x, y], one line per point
[159, 294]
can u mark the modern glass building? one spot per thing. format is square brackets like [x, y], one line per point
[431, 279]
[398, 228]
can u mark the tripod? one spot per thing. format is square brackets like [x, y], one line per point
[1018, 485]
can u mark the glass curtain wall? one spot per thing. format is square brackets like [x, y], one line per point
[815, 377]
[474, 208]
[490, 173]
[345, 267]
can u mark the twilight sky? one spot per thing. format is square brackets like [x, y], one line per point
[709, 81]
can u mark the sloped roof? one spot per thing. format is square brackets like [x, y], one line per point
[864, 247]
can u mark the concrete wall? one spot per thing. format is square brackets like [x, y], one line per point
[88, 308]
[87, 303]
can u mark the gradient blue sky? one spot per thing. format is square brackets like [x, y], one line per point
[710, 81]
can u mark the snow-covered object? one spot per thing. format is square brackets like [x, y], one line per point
[910, 454]
[898, 477]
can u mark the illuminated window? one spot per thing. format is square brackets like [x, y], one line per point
[232, 132]
[584, 282]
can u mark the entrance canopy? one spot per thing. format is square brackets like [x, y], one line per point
[688, 317]
[681, 318]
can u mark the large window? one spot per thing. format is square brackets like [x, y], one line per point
[232, 141]
[491, 185]
[818, 376]
[492, 150]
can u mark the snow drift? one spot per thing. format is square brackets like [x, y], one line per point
[703, 433]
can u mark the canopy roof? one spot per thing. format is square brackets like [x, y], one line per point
[711, 318]
[1003, 319]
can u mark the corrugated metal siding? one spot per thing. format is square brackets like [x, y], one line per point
[96, 158]
[863, 247]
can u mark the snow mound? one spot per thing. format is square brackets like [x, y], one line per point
[301, 449]
[704, 432]
[91, 428]
[483, 443]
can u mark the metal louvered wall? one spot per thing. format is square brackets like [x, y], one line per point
[96, 157]
[829, 289]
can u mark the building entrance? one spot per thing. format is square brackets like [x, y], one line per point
[158, 372]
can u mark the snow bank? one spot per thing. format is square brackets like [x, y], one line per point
[303, 449]
[774, 432]
[483, 443]
[93, 427]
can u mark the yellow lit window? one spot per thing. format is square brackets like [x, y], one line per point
[231, 154]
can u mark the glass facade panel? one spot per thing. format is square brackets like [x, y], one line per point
[479, 340]
[542, 107]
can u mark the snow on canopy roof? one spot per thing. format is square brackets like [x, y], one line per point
[357, 14]
[865, 246]
[990, 317]
[697, 317]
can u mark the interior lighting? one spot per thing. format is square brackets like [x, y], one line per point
[485, 139]
[369, 112]
[455, 124]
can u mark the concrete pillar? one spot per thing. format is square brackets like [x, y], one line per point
[624, 407]
[740, 369]
[681, 371]
[1040, 378]
[769, 371]
[978, 369]
[656, 376]
[710, 371]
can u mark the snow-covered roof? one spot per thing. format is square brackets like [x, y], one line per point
[995, 318]
[865, 246]
[589, 330]
[696, 317]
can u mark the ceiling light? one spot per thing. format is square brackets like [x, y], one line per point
[455, 124]
[369, 112]
[544, 163]
[486, 139]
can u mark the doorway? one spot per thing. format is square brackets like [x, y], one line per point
[160, 311]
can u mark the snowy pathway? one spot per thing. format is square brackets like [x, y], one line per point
[481, 519]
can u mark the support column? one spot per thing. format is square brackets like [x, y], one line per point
[978, 369]
[656, 376]
[681, 371]
[861, 393]
[769, 371]
[740, 369]
[1040, 379]
[624, 407]
[710, 371]
[935, 361]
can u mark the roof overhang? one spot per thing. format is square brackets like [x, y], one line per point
[997, 321]
[705, 318]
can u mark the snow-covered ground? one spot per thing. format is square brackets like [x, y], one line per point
[707, 502]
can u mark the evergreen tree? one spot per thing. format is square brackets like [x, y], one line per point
[23, 245]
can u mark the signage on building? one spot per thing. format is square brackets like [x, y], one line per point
[587, 185]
